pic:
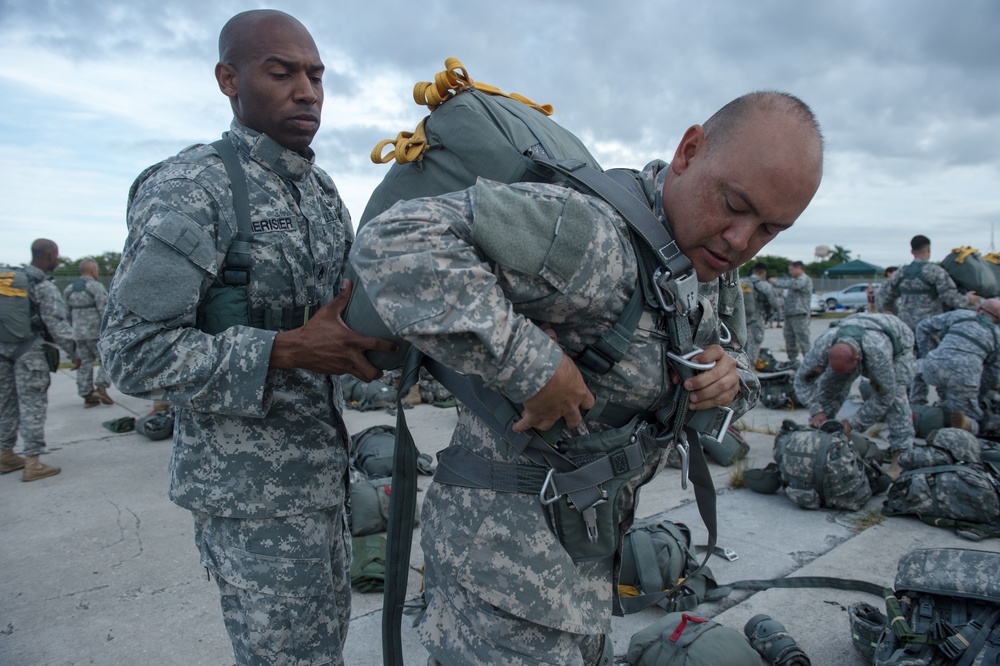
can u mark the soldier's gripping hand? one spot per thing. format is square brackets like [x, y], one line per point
[561, 398]
[716, 387]
[326, 345]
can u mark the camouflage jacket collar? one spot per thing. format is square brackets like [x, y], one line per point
[272, 155]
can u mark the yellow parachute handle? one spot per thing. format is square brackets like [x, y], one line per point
[964, 253]
[406, 147]
[992, 257]
[628, 591]
[7, 288]
[410, 146]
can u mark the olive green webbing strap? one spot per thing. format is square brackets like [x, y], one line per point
[402, 509]
[237, 185]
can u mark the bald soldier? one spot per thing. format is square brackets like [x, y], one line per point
[878, 347]
[504, 584]
[235, 320]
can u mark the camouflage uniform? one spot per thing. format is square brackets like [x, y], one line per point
[889, 374]
[85, 300]
[917, 291]
[960, 353]
[798, 299]
[767, 303]
[24, 374]
[449, 274]
[260, 455]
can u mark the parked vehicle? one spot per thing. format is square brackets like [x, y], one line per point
[817, 305]
[852, 298]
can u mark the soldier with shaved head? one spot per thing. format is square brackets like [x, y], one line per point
[226, 306]
[878, 347]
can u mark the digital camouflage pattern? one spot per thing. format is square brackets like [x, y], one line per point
[797, 312]
[767, 303]
[24, 378]
[945, 446]
[960, 355]
[920, 290]
[441, 279]
[85, 308]
[825, 391]
[249, 443]
[820, 468]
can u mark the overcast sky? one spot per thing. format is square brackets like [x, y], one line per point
[907, 93]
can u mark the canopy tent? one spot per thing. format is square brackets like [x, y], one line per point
[854, 267]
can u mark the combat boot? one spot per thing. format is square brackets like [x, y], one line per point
[10, 461]
[960, 420]
[102, 395]
[894, 469]
[35, 469]
[91, 400]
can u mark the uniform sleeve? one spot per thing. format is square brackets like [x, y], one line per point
[69, 310]
[100, 295]
[420, 267]
[879, 369]
[928, 333]
[947, 291]
[52, 310]
[807, 378]
[770, 296]
[886, 296]
[149, 344]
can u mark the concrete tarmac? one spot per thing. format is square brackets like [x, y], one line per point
[99, 567]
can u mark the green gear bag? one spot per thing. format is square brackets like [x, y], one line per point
[369, 506]
[368, 563]
[970, 271]
[15, 305]
[679, 639]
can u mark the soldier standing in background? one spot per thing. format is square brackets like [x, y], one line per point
[765, 302]
[920, 290]
[24, 369]
[86, 299]
[798, 299]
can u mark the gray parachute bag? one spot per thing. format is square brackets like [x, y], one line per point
[372, 450]
[679, 639]
[821, 467]
[369, 508]
[15, 306]
[943, 611]
[945, 478]
[366, 396]
[156, 425]
[970, 271]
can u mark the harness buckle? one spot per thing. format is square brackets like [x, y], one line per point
[683, 451]
[549, 482]
[676, 293]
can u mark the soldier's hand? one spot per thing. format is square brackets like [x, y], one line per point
[847, 426]
[817, 419]
[561, 398]
[716, 387]
[974, 298]
[77, 362]
[326, 345]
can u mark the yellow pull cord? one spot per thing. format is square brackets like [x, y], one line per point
[410, 146]
[992, 257]
[963, 253]
[7, 288]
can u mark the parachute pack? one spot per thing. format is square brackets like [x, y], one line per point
[944, 610]
[15, 306]
[971, 272]
[824, 467]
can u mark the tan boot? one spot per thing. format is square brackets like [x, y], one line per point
[10, 461]
[34, 470]
[960, 420]
[894, 469]
[102, 395]
[413, 397]
[91, 400]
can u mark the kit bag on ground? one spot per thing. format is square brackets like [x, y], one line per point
[729, 450]
[369, 507]
[821, 467]
[928, 418]
[970, 271]
[372, 450]
[777, 390]
[944, 610]
[368, 563]
[680, 639]
[656, 555]
[944, 477]
[366, 396]
[156, 425]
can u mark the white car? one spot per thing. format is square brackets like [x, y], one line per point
[817, 305]
[853, 297]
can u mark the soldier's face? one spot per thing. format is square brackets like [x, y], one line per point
[278, 90]
[725, 205]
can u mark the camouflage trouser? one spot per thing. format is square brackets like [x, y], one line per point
[24, 400]
[284, 585]
[796, 335]
[457, 627]
[85, 379]
[960, 386]
[755, 338]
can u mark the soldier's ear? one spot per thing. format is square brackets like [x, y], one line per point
[228, 79]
